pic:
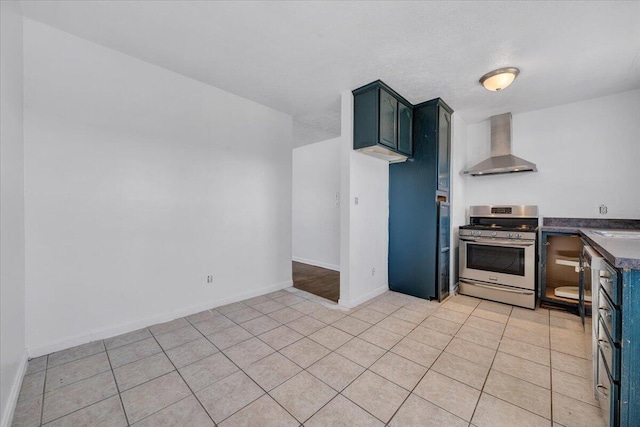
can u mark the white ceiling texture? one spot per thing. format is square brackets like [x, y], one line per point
[298, 56]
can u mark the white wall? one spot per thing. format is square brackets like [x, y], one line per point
[12, 282]
[140, 183]
[587, 154]
[364, 228]
[458, 197]
[316, 218]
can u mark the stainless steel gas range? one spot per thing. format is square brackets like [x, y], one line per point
[498, 254]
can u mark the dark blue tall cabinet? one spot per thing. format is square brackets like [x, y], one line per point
[418, 207]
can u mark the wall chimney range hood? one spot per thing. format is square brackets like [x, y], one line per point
[501, 160]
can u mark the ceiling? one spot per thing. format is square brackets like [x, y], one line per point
[297, 57]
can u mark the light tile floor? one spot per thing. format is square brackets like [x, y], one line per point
[287, 359]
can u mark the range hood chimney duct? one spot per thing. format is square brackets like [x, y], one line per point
[501, 160]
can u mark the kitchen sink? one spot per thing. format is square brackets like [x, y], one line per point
[619, 234]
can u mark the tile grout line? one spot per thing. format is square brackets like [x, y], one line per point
[44, 387]
[126, 417]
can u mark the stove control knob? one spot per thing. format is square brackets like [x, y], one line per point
[518, 235]
[494, 234]
[509, 235]
[479, 233]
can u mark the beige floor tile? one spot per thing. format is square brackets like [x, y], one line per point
[486, 325]
[530, 325]
[185, 413]
[416, 351]
[479, 337]
[451, 315]
[77, 370]
[207, 371]
[571, 364]
[247, 352]
[78, 395]
[351, 325]
[495, 307]
[383, 307]
[229, 337]
[381, 337]
[417, 412]
[368, 315]
[570, 342]
[519, 392]
[531, 337]
[191, 352]
[399, 370]
[75, 353]
[526, 351]
[289, 300]
[215, 324]
[255, 300]
[285, 315]
[327, 315]
[201, 316]
[36, 364]
[127, 338]
[471, 351]
[573, 413]
[229, 395]
[280, 337]
[524, 369]
[268, 307]
[430, 337]
[378, 396]
[303, 395]
[444, 326]
[414, 317]
[244, 314]
[331, 337]
[165, 327]
[28, 412]
[341, 412]
[143, 370]
[264, 412]
[306, 307]
[539, 315]
[260, 325]
[305, 352]
[399, 326]
[107, 413]
[573, 386]
[336, 371]
[493, 412]
[178, 337]
[423, 306]
[230, 308]
[361, 352]
[32, 385]
[272, 371]
[135, 351]
[564, 323]
[150, 397]
[277, 294]
[306, 325]
[461, 369]
[449, 394]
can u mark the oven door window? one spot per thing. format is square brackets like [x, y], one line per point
[499, 259]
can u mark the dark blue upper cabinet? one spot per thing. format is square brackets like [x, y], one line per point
[444, 148]
[382, 122]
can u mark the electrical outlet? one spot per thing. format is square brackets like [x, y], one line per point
[356, 200]
[209, 279]
[603, 209]
[337, 203]
[373, 271]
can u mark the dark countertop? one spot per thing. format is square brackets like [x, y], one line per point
[620, 252]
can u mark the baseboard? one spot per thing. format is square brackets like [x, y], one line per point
[109, 332]
[317, 263]
[15, 391]
[364, 298]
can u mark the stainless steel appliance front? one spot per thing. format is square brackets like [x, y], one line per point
[498, 254]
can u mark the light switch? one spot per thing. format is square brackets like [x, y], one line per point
[356, 200]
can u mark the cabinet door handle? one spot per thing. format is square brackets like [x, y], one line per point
[605, 311]
[602, 390]
[604, 343]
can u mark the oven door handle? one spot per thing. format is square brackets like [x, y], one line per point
[497, 288]
[494, 242]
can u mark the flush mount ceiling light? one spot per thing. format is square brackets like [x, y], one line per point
[499, 79]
